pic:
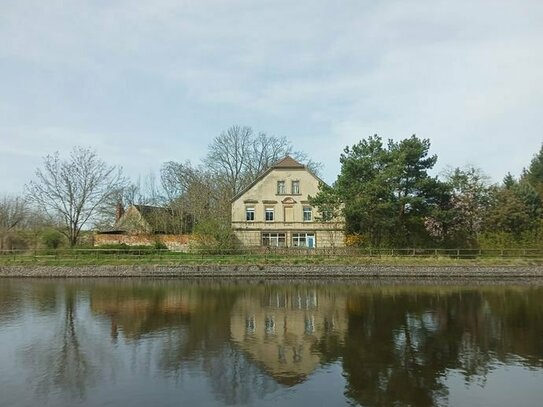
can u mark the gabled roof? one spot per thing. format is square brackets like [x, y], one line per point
[286, 162]
[148, 212]
[157, 219]
[150, 215]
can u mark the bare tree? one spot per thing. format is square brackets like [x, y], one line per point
[193, 191]
[264, 152]
[228, 156]
[234, 160]
[142, 191]
[74, 189]
[13, 213]
[238, 156]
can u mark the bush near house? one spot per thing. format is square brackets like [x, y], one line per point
[52, 239]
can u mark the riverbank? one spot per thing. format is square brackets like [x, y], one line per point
[309, 271]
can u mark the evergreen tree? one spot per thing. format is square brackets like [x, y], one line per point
[509, 181]
[387, 191]
[534, 174]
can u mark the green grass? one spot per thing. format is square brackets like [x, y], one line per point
[151, 257]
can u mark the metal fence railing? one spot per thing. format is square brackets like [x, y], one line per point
[259, 253]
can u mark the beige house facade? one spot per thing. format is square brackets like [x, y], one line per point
[274, 211]
[280, 330]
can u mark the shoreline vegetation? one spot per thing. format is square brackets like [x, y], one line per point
[384, 195]
[143, 255]
[305, 264]
[149, 256]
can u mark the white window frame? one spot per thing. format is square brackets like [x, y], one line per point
[281, 187]
[308, 210]
[295, 185]
[267, 211]
[274, 239]
[300, 239]
[249, 210]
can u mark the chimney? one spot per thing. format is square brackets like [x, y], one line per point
[119, 211]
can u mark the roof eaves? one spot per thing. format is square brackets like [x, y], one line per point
[252, 184]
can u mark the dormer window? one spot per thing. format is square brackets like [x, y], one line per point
[295, 187]
[281, 190]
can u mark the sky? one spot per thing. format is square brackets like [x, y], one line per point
[144, 82]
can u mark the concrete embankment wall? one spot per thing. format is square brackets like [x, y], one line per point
[277, 272]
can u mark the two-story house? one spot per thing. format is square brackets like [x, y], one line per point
[275, 211]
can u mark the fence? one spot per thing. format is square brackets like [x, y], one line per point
[151, 255]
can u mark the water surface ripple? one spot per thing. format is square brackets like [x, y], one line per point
[102, 342]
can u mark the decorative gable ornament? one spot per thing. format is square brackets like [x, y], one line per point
[288, 201]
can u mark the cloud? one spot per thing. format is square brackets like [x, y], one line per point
[145, 82]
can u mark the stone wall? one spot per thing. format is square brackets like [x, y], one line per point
[178, 243]
[436, 274]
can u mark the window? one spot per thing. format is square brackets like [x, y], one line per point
[273, 239]
[295, 187]
[281, 187]
[308, 214]
[250, 324]
[298, 239]
[269, 325]
[250, 214]
[303, 240]
[269, 215]
[309, 323]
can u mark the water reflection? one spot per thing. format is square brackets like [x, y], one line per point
[98, 341]
[280, 328]
[59, 362]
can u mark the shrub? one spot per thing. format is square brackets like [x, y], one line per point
[354, 240]
[13, 242]
[160, 245]
[52, 239]
[214, 237]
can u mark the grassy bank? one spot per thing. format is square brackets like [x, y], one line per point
[407, 257]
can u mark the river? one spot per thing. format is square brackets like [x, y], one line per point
[164, 342]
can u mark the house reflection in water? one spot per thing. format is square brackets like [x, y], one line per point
[136, 316]
[280, 330]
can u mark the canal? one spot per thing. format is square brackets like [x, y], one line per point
[163, 342]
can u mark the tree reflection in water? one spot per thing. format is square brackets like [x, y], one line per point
[59, 361]
[194, 327]
[395, 344]
[402, 343]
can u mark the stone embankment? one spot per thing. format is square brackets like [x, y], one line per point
[284, 271]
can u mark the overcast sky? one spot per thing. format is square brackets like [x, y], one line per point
[145, 82]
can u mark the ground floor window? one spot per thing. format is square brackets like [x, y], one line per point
[273, 239]
[303, 240]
